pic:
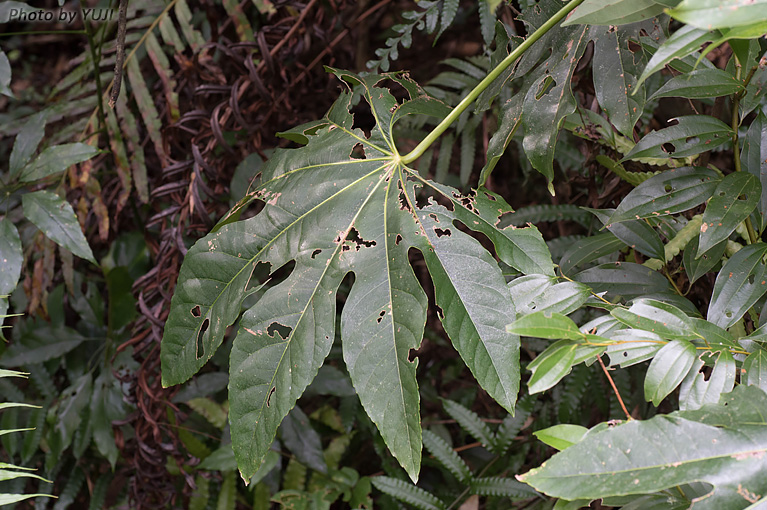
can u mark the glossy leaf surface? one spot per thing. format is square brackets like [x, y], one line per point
[725, 446]
[691, 135]
[700, 84]
[614, 12]
[711, 14]
[732, 202]
[667, 369]
[667, 193]
[740, 284]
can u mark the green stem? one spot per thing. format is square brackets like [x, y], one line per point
[490, 78]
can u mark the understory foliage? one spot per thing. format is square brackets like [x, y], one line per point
[534, 280]
[349, 203]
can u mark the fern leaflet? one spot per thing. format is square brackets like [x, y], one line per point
[446, 455]
[407, 493]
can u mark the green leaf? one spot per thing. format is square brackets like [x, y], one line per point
[732, 202]
[589, 249]
[615, 71]
[56, 218]
[446, 455]
[696, 264]
[667, 369]
[667, 193]
[699, 84]
[40, 343]
[5, 75]
[691, 135]
[754, 159]
[332, 215]
[613, 12]
[7, 499]
[11, 256]
[755, 369]
[700, 388]
[301, 439]
[636, 234]
[106, 406]
[57, 159]
[535, 293]
[712, 14]
[561, 436]
[550, 366]
[625, 279]
[730, 443]
[658, 317]
[407, 493]
[552, 101]
[683, 42]
[73, 401]
[739, 285]
[26, 142]
[633, 346]
[549, 325]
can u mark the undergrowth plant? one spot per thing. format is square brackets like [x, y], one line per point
[348, 209]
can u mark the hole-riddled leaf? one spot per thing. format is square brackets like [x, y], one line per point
[334, 210]
[691, 135]
[734, 290]
[726, 210]
[667, 193]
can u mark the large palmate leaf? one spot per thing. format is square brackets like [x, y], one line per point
[345, 203]
[725, 446]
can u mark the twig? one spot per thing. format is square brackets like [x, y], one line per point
[122, 21]
[615, 388]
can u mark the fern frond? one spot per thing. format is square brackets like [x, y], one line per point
[444, 157]
[99, 494]
[505, 487]
[33, 437]
[575, 387]
[476, 69]
[511, 425]
[227, 497]
[449, 10]
[407, 493]
[413, 20]
[633, 178]
[42, 380]
[294, 477]
[547, 212]
[446, 456]
[199, 498]
[469, 421]
[559, 246]
[71, 489]
[210, 410]
[487, 18]
[468, 148]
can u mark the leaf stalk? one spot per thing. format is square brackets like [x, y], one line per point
[490, 78]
